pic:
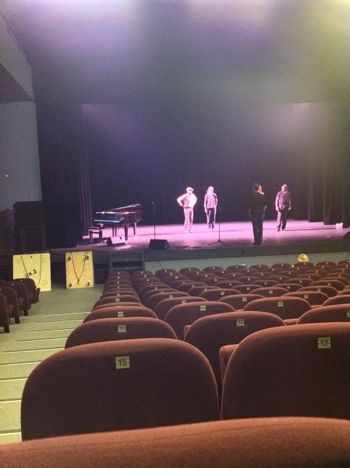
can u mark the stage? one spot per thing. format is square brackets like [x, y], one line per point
[231, 242]
[228, 244]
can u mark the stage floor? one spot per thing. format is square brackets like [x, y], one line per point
[231, 239]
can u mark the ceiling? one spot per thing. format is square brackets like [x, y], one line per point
[100, 51]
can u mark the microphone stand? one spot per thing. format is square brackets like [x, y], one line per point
[154, 219]
[218, 212]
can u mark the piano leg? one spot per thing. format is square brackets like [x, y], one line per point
[126, 232]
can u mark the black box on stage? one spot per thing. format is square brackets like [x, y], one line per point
[158, 244]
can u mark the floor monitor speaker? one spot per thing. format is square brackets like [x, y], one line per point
[158, 244]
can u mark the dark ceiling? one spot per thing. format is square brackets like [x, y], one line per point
[114, 50]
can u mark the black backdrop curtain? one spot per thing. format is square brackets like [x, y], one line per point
[65, 176]
[100, 156]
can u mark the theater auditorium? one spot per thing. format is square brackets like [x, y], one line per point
[174, 233]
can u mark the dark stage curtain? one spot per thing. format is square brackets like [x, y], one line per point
[328, 192]
[64, 173]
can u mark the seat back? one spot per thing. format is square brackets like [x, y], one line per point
[4, 314]
[12, 300]
[227, 283]
[210, 333]
[165, 305]
[246, 288]
[338, 299]
[116, 299]
[245, 443]
[291, 287]
[266, 283]
[283, 306]
[126, 328]
[329, 290]
[288, 371]
[216, 293]
[120, 312]
[312, 297]
[156, 298]
[327, 313]
[156, 290]
[184, 314]
[23, 295]
[302, 280]
[197, 289]
[118, 385]
[32, 289]
[334, 283]
[239, 301]
[273, 291]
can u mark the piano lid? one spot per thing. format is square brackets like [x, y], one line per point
[133, 207]
[129, 214]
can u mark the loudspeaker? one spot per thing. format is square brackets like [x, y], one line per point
[114, 240]
[30, 229]
[158, 244]
[31, 239]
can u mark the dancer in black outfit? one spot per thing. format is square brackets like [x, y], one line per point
[283, 204]
[256, 210]
[210, 206]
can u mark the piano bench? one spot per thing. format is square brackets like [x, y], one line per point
[95, 230]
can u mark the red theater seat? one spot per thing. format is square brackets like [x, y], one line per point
[314, 298]
[156, 298]
[210, 333]
[327, 313]
[245, 443]
[217, 293]
[289, 371]
[110, 329]
[273, 291]
[113, 385]
[239, 301]
[339, 299]
[165, 305]
[184, 314]
[288, 308]
[4, 314]
[120, 311]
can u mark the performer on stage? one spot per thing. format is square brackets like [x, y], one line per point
[210, 206]
[256, 210]
[187, 201]
[283, 204]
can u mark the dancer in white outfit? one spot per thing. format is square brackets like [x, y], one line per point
[188, 201]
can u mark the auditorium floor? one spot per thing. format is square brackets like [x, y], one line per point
[40, 334]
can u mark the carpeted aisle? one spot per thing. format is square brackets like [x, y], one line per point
[39, 335]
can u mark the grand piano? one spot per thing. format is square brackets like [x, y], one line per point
[123, 216]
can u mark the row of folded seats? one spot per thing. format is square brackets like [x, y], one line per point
[16, 298]
[150, 354]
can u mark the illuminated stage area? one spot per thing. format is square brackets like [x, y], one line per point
[236, 235]
[229, 245]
